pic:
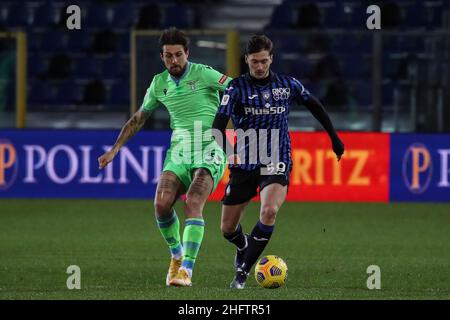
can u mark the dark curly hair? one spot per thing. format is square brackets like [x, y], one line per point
[174, 36]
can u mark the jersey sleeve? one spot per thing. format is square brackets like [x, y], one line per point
[229, 99]
[301, 94]
[150, 101]
[215, 79]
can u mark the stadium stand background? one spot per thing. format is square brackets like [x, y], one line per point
[88, 70]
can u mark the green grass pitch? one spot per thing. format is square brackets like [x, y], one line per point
[327, 247]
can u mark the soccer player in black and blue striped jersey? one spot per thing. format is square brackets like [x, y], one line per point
[259, 103]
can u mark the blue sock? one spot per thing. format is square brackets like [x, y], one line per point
[258, 240]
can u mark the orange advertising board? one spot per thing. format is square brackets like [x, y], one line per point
[361, 175]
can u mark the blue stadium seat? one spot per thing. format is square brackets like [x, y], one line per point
[388, 94]
[400, 44]
[55, 14]
[34, 40]
[79, 40]
[116, 66]
[40, 94]
[68, 92]
[388, 65]
[354, 15]
[316, 88]
[355, 66]
[123, 43]
[44, 16]
[351, 43]
[410, 44]
[302, 67]
[282, 17]
[291, 44]
[333, 17]
[119, 96]
[16, 15]
[178, 16]
[124, 16]
[413, 16]
[433, 14]
[362, 91]
[37, 65]
[98, 16]
[421, 14]
[55, 41]
[88, 67]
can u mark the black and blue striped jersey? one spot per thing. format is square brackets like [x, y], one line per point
[263, 108]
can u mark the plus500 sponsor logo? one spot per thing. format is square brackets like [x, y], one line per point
[263, 111]
[63, 164]
[418, 168]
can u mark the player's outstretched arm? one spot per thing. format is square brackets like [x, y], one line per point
[133, 125]
[318, 111]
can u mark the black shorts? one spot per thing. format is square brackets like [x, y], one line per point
[243, 185]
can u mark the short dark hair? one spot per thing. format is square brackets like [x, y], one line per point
[174, 36]
[259, 43]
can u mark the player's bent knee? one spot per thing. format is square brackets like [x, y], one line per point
[227, 228]
[269, 212]
[162, 208]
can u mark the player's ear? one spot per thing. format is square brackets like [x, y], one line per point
[187, 53]
[246, 59]
[162, 57]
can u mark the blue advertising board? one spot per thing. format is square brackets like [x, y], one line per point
[420, 167]
[63, 164]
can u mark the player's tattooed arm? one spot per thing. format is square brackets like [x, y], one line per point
[318, 111]
[133, 125]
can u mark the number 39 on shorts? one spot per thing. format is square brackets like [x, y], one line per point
[274, 168]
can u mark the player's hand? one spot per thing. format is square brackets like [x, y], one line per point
[234, 159]
[338, 148]
[106, 158]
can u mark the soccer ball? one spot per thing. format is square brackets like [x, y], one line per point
[271, 272]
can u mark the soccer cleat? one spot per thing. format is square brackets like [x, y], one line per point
[240, 254]
[174, 266]
[182, 279]
[239, 279]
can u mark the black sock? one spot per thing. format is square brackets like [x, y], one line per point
[237, 238]
[257, 241]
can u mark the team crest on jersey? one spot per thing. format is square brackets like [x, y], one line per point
[281, 93]
[266, 95]
[192, 84]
